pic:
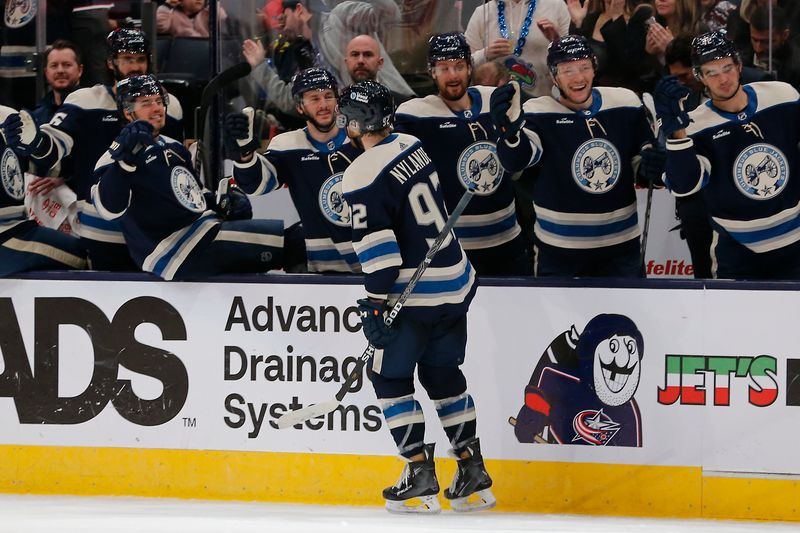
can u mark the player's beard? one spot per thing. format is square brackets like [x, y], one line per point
[721, 98]
[322, 128]
[356, 141]
[446, 91]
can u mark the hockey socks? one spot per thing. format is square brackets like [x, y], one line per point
[457, 415]
[406, 423]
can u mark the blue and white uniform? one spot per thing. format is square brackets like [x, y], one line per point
[397, 211]
[463, 148]
[743, 163]
[584, 197]
[167, 224]
[82, 130]
[313, 173]
[24, 245]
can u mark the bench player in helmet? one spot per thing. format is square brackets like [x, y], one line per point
[82, 130]
[456, 129]
[397, 210]
[740, 149]
[174, 228]
[587, 144]
[24, 245]
[311, 162]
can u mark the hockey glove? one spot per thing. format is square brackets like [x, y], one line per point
[669, 96]
[129, 145]
[652, 166]
[240, 140]
[372, 319]
[234, 205]
[23, 136]
[506, 111]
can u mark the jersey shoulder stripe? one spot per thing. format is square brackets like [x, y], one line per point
[96, 97]
[291, 140]
[615, 97]
[772, 93]
[371, 164]
[430, 106]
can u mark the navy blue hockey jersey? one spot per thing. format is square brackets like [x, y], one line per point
[463, 149]
[313, 172]
[743, 162]
[160, 207]
[584, 195]
[397, 211]
[12, 182]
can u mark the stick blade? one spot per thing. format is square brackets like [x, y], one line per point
[299, 416]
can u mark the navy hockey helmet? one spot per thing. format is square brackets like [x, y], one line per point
[366, 106]
[569, 48]
[312, 79]
[128, 90]
[127, 40]
[448, 47]
[711, 46]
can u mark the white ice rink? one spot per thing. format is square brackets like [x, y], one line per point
[62, 514]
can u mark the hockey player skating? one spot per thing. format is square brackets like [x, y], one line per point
[310, 161]
[82, 130]
[456, 129]
[740, 149]
[24, 245]
[586, 144]
[174, 228]
[397, 208]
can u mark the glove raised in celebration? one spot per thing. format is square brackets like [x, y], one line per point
[372, 319]
[240, 140]
[23, 136]
[669, 97]
[506, 110]
[129, 145]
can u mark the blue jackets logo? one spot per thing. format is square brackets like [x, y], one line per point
[332, 202]
[19, 12]
[596, 166]
[478, 164]
[186, 190]
[11, 176]
[761, 171]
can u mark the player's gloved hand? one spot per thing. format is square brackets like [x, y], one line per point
[240, 140]
[506, 110]
[372, 319]
[129, 145]
[669, 96]
[23, 136]
[232, 205]
[651, 168]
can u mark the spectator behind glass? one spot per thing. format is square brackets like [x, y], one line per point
[364, 61]
[90, 24]
[673, 17]
[490, 38]
[739, 21]
[184, 18]
[616, 30]
[785, 52]
[714, 13]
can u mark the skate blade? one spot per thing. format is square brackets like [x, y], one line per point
[421, 505]
[477, 501]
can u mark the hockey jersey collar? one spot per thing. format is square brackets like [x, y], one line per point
[475, 108]
[745, 114]
[328, 146]
[592, 110]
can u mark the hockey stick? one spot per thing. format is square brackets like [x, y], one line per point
[652, 118]
[211, 90]
[312, 411]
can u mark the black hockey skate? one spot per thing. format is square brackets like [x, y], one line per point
[417, 489]
[471, 487]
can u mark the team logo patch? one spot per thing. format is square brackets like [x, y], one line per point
[594, 427]
[478, 165]
[19, 12]
[186, 190]
[596, 166]
[332, 202]
[11, 175]
[761, 171]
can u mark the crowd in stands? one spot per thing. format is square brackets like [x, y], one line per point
[84, 134]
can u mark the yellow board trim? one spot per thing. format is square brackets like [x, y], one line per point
[539, 487]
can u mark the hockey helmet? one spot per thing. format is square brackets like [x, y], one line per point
[366, 106]
[448, 47]
[569, 48]
[127, 40]
[312, 79]
[711, 46]
[128, 90]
